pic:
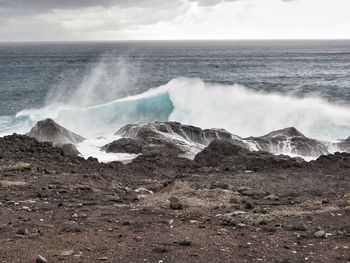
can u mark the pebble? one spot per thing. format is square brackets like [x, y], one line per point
[26, 208]
[161, 249]
[185, 243]
[67, 253]
[175, 203]
[41, 259]
[222, 231]
[271, 197]
[320, 234]
[299, 227]
[269, 229]
[102, 258]
[22, 231]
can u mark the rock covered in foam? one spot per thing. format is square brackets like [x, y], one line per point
[227, 156]
[172, 136]
[145, 138]
[289, 140]
[49, 131]
[187, 132]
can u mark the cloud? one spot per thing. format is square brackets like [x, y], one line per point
[171, 19]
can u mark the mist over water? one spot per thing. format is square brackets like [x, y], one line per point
[110, 78]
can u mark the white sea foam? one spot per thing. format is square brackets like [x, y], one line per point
[91, 147]
[239, 110]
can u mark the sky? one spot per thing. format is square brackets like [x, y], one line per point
[79, 20]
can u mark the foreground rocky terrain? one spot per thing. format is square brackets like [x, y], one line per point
[227, 205]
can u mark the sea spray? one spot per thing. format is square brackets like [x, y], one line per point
[108, 79]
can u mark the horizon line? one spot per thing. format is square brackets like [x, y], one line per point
[177, 40]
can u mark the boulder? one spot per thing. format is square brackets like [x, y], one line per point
[175, 138]
[221, 153]
[289, 140]
[124, 145]
[187, 132]
[49, 131]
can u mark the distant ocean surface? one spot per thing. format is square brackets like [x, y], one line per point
[246, 87]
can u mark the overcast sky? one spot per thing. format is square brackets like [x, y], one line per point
[22, 20]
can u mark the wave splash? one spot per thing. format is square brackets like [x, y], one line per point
[235, 108]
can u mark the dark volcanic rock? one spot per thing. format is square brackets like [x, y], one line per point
[49, 131]
[124, 145]
[68, 149]
[188, 132]
[344, 145]
[152, 140]
[220, 153]
[175, 203]
[174, 136]
[289, 139]
[333, 161]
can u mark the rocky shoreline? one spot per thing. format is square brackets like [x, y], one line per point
[227, 204]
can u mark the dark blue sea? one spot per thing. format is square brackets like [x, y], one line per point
[246, 87]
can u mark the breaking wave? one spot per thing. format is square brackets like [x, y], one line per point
[191, 101]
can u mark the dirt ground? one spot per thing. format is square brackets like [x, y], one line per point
[162, 209]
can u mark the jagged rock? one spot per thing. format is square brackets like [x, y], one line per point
[221, 152]
[123, 145]
[49, 131]
[175, 137]
[289, 140]
[187, 132]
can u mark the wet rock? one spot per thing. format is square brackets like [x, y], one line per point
[300, 144]
[41, 259]
[49, 131]
[175, 203]
[187, 132]
[124, 145]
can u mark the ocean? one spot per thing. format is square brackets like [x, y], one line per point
[249, 88]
